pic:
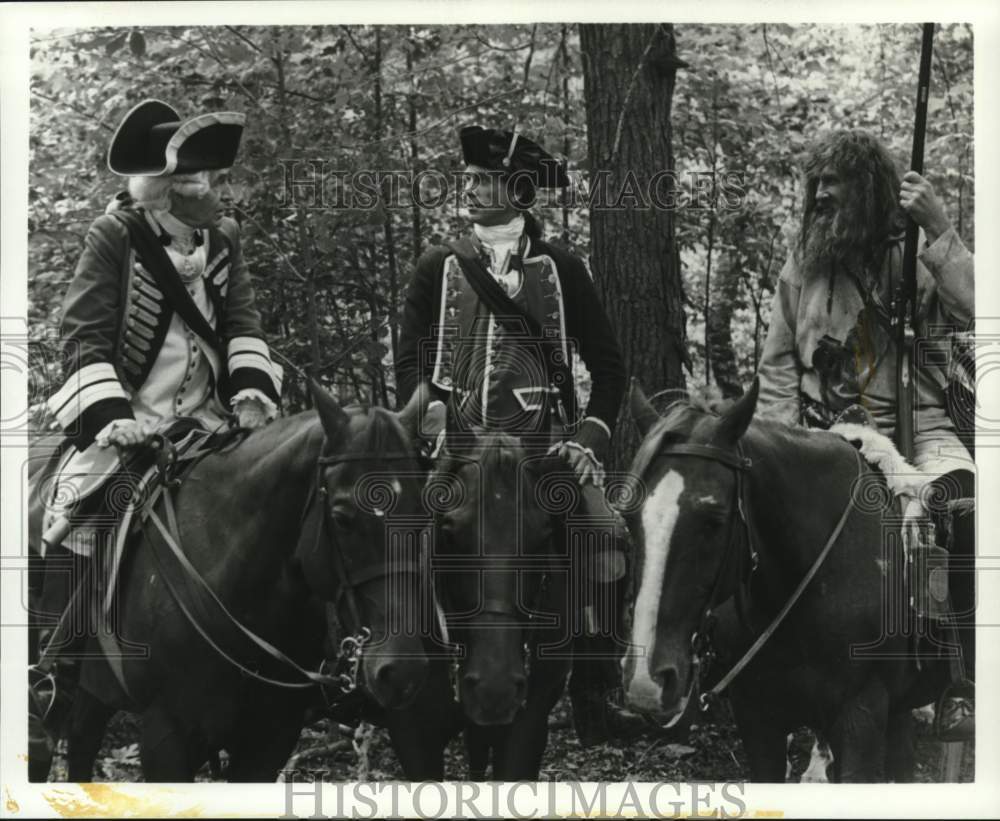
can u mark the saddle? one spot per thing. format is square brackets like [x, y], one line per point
[125, 491]
[926, 572]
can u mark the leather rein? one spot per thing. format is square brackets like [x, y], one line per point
[702, 649]
[348, 661]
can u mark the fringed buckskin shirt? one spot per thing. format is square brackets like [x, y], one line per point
[854, 312]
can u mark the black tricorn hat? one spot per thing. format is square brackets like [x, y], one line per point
[511, 152]
[153, 141]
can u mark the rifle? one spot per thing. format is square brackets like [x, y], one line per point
[905, 315]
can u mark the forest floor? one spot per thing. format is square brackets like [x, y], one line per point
[712, 752]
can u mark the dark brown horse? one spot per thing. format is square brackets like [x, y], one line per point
[730, 515]
[318, 509]
[502, 581]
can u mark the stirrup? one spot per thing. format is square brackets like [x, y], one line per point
[42, 705]
[954, 717]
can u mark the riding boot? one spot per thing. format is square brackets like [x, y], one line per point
[54, 678]
[595, 685]
[955, 717]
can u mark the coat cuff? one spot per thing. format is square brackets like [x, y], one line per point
[270, 409]
[91, 398]
[95, 419]
[250, 367]
[936, 254]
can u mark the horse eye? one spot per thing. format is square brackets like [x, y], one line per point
[343, 518]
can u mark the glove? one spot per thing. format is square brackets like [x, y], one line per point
[586, 451]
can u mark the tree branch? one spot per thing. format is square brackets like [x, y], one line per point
[628, 96]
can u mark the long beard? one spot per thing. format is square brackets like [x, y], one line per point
[833, 241]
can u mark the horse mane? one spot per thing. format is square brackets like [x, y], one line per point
[497, 453]
[678, 422]
[383, 434]
[500, 454]
[675, 424]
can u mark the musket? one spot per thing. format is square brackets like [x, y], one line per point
[905, 316]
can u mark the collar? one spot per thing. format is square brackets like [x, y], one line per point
[500, 235]
[172, 225]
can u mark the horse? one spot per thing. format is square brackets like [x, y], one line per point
[503, 583]
[284, 527]
[731, 517]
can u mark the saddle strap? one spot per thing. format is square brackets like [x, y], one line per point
[755, 648]
[313, 678]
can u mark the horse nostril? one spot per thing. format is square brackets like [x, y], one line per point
[668, 681]
[520, 686]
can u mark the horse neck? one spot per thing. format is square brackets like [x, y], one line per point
[270, 475]
[796, 492]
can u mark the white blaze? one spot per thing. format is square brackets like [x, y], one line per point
[820, 758]
[659, 517]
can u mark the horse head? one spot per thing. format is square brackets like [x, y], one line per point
[686, 483]
[366, 561]
[495, 545]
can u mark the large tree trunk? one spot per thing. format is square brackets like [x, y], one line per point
[629, 73]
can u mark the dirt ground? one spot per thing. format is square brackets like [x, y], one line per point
[712, 752]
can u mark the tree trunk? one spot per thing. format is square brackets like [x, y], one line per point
[629, 74]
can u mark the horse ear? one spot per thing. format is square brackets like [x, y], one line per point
[411, 416]
[643, 412]
[736, 419]
[331, 415]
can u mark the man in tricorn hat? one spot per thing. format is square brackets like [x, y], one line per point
[158, 322]
[497, 378]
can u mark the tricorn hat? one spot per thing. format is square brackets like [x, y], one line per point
[153, 141]
[509, 151]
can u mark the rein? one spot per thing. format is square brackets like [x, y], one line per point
[700, 641]
[351, 647]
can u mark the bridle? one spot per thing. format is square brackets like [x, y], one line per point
[314, 526]
[349, 582]
[701, 646]
[511, 612]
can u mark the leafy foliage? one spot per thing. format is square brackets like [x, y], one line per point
[330, 279]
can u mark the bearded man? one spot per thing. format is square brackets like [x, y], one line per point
[159, 322]
[830, 352]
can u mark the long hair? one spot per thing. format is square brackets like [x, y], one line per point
[872, 213]
[153, 193]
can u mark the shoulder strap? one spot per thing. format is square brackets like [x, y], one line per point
[154, 256]
[487, 289]
[506, 310]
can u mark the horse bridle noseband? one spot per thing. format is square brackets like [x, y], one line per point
[702, 650]
[351, 646]
[739, 463]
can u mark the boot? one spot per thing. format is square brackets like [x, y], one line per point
[598, 697]
[52, 681]
[955, 713]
